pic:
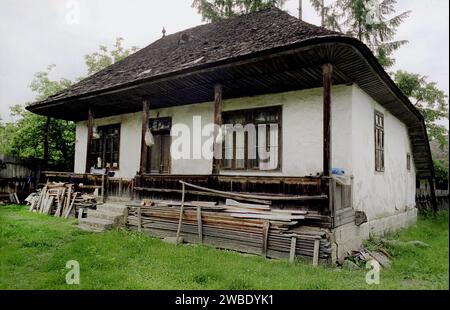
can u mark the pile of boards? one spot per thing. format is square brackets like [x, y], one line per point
[249, 228]
[56, 199]
[9, 198]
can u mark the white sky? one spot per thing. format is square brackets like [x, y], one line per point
[35, 34]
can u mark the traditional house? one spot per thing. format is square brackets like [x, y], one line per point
[334, 125]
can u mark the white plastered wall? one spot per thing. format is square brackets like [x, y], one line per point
[302, 130]
[380, 194]
[387, 198]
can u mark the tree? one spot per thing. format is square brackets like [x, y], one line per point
[429, 100]
[24, 137]
[104, 58]
[370, 21]
[214, 10]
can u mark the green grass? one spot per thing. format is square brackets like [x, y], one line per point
[34, 250]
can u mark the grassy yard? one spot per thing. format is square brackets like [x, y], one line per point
[34, 250]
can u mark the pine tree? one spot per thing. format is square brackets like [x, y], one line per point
[370, 21]
[214, 10]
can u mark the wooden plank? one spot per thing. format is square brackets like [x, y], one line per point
[265, 237]
[139, 211]
[59, 202]
[197, 193]
[71, 206]
[274, 217]
[200, 224]
[267, 198]
[316, 252]
[181, 214]
[234, 203]
[292, 249]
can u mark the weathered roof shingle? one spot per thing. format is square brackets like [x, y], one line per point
[205, 44]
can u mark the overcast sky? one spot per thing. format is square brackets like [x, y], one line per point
[37, 33]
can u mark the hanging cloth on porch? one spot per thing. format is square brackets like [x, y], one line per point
[149, 140]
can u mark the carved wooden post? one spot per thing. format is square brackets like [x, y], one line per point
[327, 84]
[46, 142]
[144, 147]
[217, 160]
[90, 125]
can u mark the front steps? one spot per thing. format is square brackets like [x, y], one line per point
[107, 216]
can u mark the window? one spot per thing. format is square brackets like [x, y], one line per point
[105, 149]
[252, 139]
[408, 162]
[379, 141]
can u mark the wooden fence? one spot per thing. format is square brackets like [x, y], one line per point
[425, 204]
[17, 176]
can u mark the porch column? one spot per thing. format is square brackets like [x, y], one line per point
[327, 84]
[144, 148]
[217, 162]
[46, 142]
[90, 125]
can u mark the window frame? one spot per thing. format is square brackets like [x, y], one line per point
[408, 162]
[101, 150]
[379, 129]
[250, 165]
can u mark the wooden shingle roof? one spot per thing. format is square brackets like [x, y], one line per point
[205, 44]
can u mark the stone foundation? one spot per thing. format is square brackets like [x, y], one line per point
[350, 237]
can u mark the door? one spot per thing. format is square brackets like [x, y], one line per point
[159, 153]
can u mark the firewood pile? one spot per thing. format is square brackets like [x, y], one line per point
[249, 228]
[59, 200]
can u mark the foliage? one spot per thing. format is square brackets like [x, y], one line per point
[104, 57]
[441, 172]
[429, 100]
[370, 21]
[214, 10]
[34, 249]
[24, 137]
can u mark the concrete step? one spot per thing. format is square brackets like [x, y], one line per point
[89, 228]
[115, 208]
[96, 224]
[106, 215]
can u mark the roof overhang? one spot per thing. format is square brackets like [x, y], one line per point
[291, 67]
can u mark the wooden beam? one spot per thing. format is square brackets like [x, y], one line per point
[46, 142]
[217, 148]
[327, 84]
[90, 125]
[144, 147]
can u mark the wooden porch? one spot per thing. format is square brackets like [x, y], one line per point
[310, 194]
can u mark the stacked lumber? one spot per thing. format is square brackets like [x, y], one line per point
[9, 198]
[55, 199]
[250, 228]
